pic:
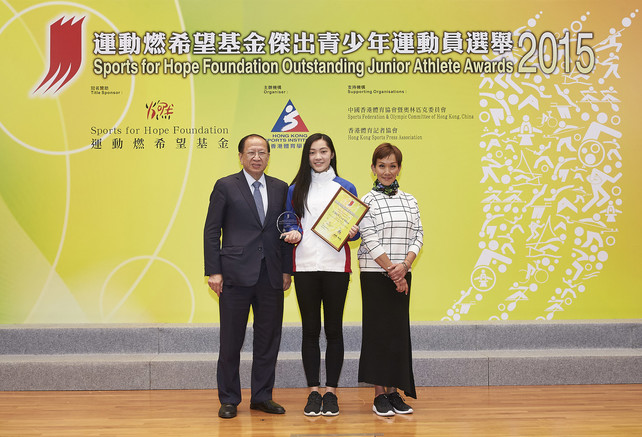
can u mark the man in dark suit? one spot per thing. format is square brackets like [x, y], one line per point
[248, 266]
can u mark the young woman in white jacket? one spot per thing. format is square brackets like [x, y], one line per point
[321, 274]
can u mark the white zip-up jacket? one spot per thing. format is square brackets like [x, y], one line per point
[313, 254]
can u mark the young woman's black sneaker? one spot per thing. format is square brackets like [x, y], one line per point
[382, 406]
[398, 404]
[330, 404]
[313, 407]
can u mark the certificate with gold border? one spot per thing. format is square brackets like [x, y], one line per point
[343, 212]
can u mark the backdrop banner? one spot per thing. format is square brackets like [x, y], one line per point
[518, 124]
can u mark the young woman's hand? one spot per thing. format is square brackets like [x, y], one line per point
[292, 237]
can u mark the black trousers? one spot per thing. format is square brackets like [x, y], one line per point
[314, 290]
[234, 306]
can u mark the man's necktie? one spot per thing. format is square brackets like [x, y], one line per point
[258, 199]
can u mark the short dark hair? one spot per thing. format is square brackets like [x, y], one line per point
[242, 142]
[384, 150]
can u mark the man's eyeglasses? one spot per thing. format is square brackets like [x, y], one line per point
[260, 153]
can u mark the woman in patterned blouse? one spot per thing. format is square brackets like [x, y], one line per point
[391, 237]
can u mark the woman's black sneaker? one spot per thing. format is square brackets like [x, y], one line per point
[398, 404]
[330, 404]
[382, 406]
[313, 407]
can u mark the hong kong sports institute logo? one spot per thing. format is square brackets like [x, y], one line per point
[289, 120]
[65, 54]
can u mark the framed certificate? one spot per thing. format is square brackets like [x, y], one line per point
[343, 212]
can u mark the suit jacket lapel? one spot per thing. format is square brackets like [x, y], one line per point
[273, 204]
[244, 188]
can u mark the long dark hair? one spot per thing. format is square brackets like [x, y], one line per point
[304, 176]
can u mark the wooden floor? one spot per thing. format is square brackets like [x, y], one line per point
[604, 410]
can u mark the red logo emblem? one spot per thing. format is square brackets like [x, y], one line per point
[65, 53]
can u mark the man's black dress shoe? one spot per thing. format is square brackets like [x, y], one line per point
[227, 411]
[268, 407]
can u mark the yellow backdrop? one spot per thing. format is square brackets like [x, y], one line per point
[519, 128]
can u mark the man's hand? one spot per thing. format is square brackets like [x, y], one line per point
[287, 281]
[216, 283]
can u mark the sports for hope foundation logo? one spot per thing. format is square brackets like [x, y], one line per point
[65, 54]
